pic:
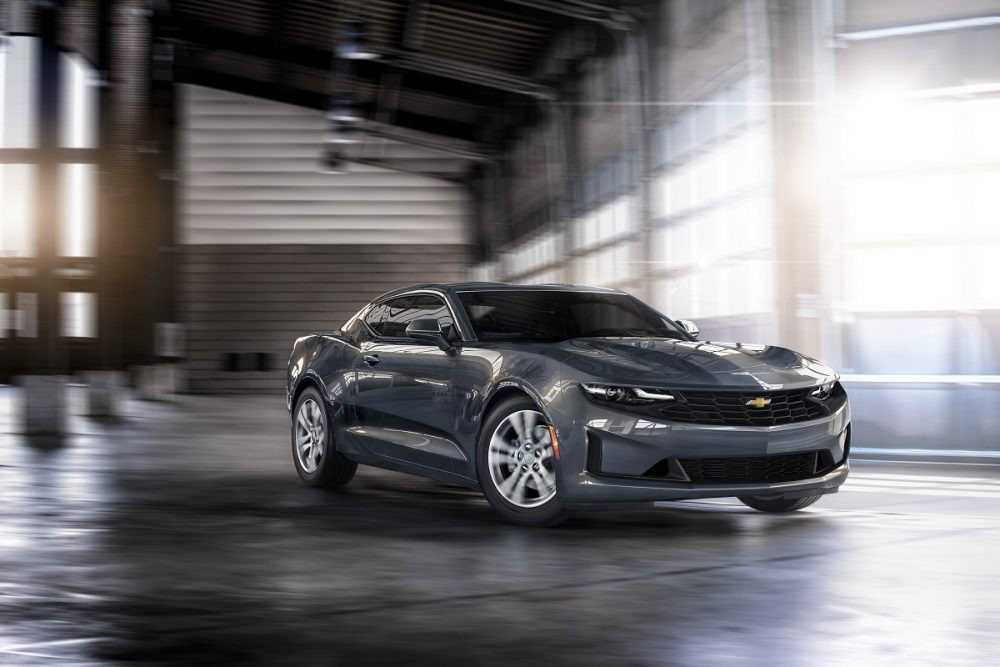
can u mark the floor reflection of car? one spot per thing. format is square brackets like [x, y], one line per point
[558, 398]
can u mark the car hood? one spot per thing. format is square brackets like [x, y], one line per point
[660, 362]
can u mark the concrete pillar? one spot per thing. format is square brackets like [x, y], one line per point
[801, 71]
[104, 393]
[43, 404]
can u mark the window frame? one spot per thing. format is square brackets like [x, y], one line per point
[458, 325]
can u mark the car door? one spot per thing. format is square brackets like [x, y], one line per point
[404, 405]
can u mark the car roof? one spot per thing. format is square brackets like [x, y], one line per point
[451, 288]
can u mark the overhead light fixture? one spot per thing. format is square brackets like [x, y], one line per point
[342, 135]
[353, 43]
[343, 110]
[332, 162]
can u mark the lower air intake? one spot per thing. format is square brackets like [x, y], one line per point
[751, 469]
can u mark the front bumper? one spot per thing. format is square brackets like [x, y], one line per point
[608, 457]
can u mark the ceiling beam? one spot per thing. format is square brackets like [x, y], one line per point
[213, 38]
[285, 94]
[581, 10]
[481, 76]
[279, 68]
[388, 96]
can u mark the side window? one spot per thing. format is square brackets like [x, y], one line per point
[375, 317]
[354, 328]
[390, 319]
[433, 308]
[399, 313]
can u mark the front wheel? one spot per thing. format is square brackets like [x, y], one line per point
[515, 459]
[316, 460]
[766, 504]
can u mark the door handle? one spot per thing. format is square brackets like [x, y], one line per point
[371, 359]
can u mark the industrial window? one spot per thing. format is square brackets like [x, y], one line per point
[18, 94]
[78, 314]
[26, 315]
[17, 210]
[79, 187]
[534, 254]
[911, 205]
[20, 189]
[78, 122]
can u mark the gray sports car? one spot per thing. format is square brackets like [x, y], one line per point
[557, 398]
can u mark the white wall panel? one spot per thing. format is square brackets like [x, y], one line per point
[249, 176]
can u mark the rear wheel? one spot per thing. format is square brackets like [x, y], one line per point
[515, 459]
[778, 504]
[316, 460]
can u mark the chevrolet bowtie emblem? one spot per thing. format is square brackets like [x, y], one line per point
[759, 402]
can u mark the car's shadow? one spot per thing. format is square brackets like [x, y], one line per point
[258, 569]
[397, 506]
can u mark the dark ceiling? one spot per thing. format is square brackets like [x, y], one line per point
[452, 67]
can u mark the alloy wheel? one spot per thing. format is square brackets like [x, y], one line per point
[310, 436]
[521, 459]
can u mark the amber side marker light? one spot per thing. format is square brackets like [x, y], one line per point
[555, 440]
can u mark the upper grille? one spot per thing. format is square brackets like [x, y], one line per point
[751, 469]
[730, 408]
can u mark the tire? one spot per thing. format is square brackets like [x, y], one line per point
[323, 466]
[778, 505]
[535, 501]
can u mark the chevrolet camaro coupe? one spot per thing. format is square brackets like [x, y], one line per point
[557, 398]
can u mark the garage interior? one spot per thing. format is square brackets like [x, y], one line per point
[187, 186]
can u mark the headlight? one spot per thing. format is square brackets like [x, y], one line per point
[824, 391]
[620, 394]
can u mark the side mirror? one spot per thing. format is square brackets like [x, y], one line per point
[690, 327]
[429, 330]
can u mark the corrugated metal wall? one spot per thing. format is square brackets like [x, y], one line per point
[273, 249]
[244, 301]
[250, 176]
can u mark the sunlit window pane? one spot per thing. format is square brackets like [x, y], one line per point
[679, 196]
[904, 279]
[77, 238]
[78, 122]
[680, 297]
[886, 134]
[17, 210]
[679, 137]
[26, 315]
[987, 276]
[78, 314]
[18, 94]
[984, 126]
[680, 244]
[705, 121]
[985, 203]
[736, 104]
[902, 207]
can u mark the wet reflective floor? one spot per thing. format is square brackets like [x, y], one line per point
[181, 536]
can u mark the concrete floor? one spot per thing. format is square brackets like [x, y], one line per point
[182, 536]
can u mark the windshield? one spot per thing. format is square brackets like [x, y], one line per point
[554, 315]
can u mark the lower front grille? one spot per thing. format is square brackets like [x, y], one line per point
[751, 469]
